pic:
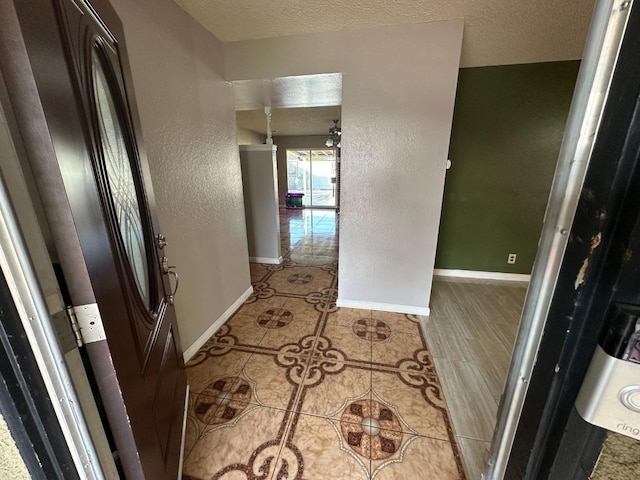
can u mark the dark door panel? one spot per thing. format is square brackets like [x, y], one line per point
[78, 60]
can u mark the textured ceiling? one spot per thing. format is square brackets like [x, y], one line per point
[289, 92]
[497, 32]
[290, 121]
[294, 103]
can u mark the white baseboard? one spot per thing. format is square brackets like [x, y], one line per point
[184, 432]
[193, 349]
[512, 277]
[385, 307]
[271, 261]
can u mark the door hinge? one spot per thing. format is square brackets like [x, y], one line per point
[86, 324]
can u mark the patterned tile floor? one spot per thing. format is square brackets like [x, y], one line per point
[292, 387]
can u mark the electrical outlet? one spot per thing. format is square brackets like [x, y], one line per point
[511, 259]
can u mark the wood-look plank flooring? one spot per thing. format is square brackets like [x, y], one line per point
[471, 333]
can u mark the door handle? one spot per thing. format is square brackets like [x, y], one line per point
[161, 241]
[171, 271]
[172, 296]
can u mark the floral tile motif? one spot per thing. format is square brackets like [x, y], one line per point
[418, 400]
[222, 400]
[369, 329]
[274, 318]
[344, 317]
[371, 429]
[325, 455]
[292, 387]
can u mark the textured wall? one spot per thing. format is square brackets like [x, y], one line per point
[188, 121]
[259, 180]
[398, 95]
[249, 137]
[507, 130]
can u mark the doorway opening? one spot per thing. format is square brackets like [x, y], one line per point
[274, 112]
[313, 173]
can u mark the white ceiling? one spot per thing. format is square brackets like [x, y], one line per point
[322, 90]
[290, 121]
[303, 105]
[496, 32]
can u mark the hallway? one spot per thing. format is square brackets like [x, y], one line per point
[293, 387]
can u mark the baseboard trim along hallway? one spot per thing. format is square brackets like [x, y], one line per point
[267, 260]
[195, 346]
[383, 307]
[510, 277]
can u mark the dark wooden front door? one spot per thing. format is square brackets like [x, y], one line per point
[79, 66]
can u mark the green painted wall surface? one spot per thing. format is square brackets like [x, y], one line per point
[507, 130]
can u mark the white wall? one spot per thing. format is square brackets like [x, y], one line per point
[398, 95]
[249, 137]
[260, 185]
[188, 121]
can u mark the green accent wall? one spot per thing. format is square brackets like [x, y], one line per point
[507, 129]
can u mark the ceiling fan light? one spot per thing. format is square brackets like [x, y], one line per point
[335, 134]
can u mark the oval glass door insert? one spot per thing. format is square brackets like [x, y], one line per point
[120, 178]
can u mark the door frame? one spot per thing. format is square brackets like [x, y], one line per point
[53, 437]
[599, 269]
[525, 416]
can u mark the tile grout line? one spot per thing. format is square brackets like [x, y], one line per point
[294, 410]
[294, 413]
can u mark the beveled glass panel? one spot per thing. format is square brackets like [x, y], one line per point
[120, 178]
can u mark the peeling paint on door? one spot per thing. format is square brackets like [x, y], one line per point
[595, 242]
